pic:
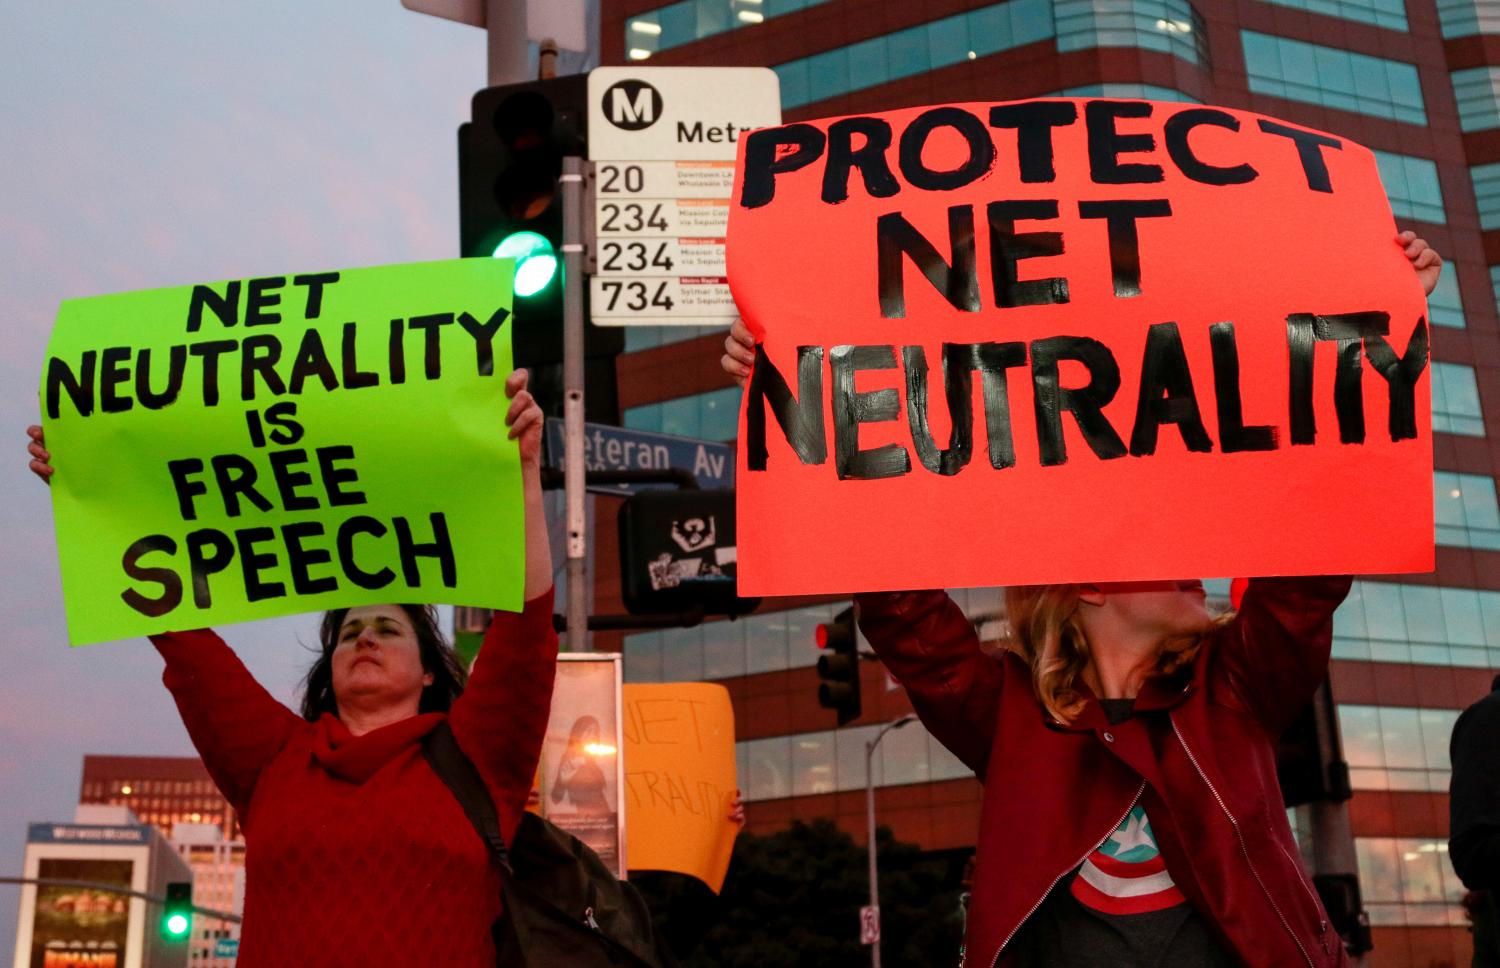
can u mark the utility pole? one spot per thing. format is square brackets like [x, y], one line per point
[1335, 864]
[505, 26]
[573, 373]
[870, 817]
[505, 29]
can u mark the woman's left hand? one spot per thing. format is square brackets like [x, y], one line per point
[1424, 258]
[524, 418]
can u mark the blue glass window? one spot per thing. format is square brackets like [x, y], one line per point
[1455, 400]
[1390, 14]
[1168, 26]
[1397, 748]
[1445, 306]
[1465, 509]
[1464, 18]
[1412, 186]
[760, 642]
[829, 761]
[1423, 624]
[708, 416]
[1486, 180]
[650, 337]
[1144, 92]
[1477, 92]
[913, 50]
[1408, 882]
[1333, 78]
[689, 20]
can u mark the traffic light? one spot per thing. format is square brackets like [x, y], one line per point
[510, 165]
[1310, 764]
[177, 911]
[838, 666]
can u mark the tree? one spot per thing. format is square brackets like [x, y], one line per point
[792, 899]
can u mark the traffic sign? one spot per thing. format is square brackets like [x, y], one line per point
[227, 948]
[869, 924]
[619, 449]
[663, 140]
[677, 113]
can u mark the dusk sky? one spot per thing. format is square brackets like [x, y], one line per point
[162, 143]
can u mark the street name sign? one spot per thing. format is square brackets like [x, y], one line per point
[608, 448]
[663, 143]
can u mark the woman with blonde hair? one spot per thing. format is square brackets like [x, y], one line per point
[1127, 747]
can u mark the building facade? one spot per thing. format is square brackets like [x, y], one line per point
[218, 867]
[176, 795]
[1411, 80]
[162, 790]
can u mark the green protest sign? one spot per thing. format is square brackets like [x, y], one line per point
[257, 447]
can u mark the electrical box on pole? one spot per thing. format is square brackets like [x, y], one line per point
[677, 553]
[1310, 763]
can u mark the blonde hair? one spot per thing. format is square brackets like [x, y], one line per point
[1047, 633]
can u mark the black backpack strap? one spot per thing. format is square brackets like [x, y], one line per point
[460, 776]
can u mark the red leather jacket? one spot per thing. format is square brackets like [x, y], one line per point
[1201, 757]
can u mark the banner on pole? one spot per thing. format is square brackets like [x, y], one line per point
[1073, 339]
[257, 447]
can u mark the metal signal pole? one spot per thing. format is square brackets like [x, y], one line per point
[573, 430]
[870, 816]
[505, 30]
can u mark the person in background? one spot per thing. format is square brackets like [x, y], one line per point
[1127, 746]
[357, 854]
[1474, 820]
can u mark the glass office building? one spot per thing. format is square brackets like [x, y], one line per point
[1412, 81]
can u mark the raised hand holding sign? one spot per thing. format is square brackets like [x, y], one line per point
[258, 447]
[1189, 325]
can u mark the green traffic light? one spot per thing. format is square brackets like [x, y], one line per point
[176, 925]
[536, 260]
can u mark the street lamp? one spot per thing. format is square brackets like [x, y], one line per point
[874, 907]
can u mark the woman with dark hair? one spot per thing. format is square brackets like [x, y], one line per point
[357, 853]
[436, 654]
[1127, 745]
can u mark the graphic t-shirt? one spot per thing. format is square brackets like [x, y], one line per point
[1120, 908]
[1126, 873]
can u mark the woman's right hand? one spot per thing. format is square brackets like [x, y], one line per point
[39, 456]
[739, 352]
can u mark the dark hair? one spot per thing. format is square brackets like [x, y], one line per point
[581, 726]
[438, 658]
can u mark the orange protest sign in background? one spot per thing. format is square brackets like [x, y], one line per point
[679, 778]
[1073, 340]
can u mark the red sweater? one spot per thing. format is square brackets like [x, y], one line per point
[357, 854]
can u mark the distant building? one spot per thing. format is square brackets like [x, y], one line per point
[218, 867]
[91, 910]
[176, 795]
[162, 791]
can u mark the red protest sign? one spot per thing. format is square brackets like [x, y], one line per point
[1073, 340]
